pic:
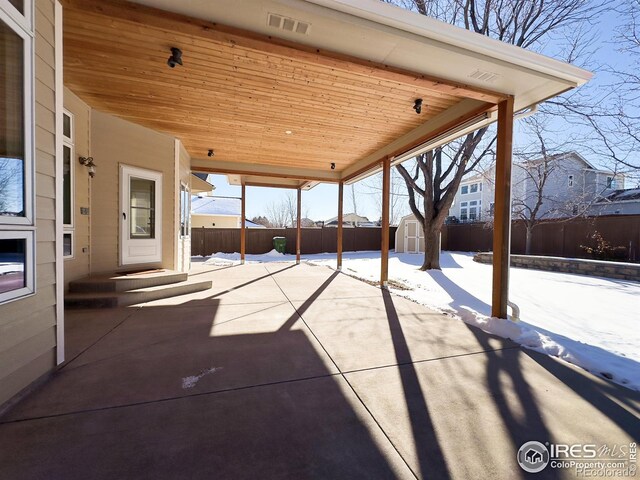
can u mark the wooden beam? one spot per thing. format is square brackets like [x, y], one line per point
[236, 168]
[384, 233]
[502, 210]
[340, 222]
[299, 227]
[272, 185]
[243, 226]
[416, 137]
[181, 24]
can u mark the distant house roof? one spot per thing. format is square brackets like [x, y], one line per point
[229, 206]
[348, 217]
[249, 224]
[621, 196]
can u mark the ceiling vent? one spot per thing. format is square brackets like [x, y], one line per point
[288, 24]
[484, 76]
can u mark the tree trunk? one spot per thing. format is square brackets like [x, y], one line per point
[528, 237]
[431, 249]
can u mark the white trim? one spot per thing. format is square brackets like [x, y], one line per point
[412, 22]
[59, 96]
[29, 267]
[25, 21]
[29, 116]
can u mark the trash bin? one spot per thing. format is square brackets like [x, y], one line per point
[280, 244]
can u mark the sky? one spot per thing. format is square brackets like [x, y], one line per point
[321, 202]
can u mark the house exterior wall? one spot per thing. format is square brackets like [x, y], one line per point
[79, 265]
[116, 142]
[28, 325]
[215, 221]
[629, 207]
[483, 195]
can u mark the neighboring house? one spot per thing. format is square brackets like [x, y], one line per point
[218, 212]
[306, 223]
[348, 220]
[474, 200]
[620, 202]
[572, 184]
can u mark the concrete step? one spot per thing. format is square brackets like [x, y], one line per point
[123, 283]
[134, 296]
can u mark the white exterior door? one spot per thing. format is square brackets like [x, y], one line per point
[140, 216]
[411, 238]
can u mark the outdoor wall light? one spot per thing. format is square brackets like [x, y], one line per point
[88, 162]
[175, 58]
[417, 105]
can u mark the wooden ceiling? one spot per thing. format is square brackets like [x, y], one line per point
[239, 94]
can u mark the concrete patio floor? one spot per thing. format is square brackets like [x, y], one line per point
[284, 371]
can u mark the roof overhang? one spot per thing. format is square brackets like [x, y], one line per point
[346, 86]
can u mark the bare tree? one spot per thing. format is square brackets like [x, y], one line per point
[353, 196]
[284, 212]
[398, 206]
[524, 23]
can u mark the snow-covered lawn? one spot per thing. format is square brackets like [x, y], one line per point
[592, 322]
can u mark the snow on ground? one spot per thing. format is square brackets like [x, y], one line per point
[591, 322]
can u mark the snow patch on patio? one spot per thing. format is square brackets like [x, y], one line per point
[192, 381]
[234, 258]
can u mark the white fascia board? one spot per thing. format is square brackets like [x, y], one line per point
[412, 22]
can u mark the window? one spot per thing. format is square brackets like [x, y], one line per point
[473, 188]
[185, 207]
[68, 170]
[464, 190]
[142, 214]
[463, 210]
[611, 183]
[571, 180]
[67, 244]
[17, 262]
[480, 186]
[492, 207]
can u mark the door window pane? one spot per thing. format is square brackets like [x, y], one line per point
[142, 212]
[12, 264]
[66, 184]
[66, 126]
[12, 135]
[19, 4]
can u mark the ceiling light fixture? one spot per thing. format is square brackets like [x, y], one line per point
[175, 58]
[210, 153]
[288, 132]
[333, 166]
[417, 105]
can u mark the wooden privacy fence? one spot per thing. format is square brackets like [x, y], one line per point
[555, 238]
[206, 241]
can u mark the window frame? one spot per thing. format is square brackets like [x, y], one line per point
[71, 233]
[29, 114]
[186, 209]
[24, 227]
[70, 143]
[29, 267]
[462, 192]
[471, 190]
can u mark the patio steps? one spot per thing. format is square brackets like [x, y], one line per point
[121, 290]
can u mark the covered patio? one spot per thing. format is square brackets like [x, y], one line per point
[297, 371]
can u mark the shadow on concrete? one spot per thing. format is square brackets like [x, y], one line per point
[307, 428]
[607, 397]
[430, 456]
[521, 428]
[308, 302]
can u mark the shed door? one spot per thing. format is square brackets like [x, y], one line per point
[411, 238]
